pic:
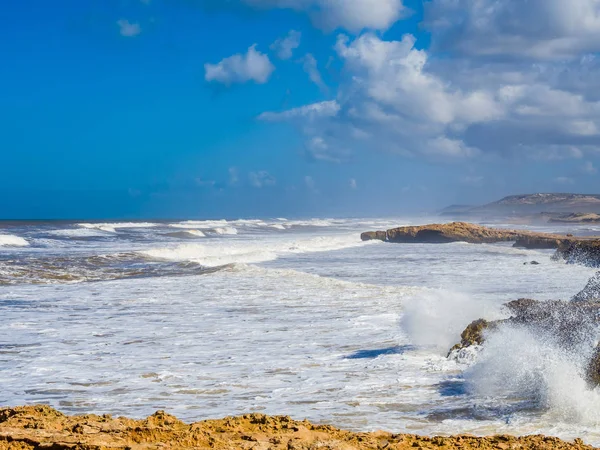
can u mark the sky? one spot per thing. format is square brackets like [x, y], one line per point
[293, 108]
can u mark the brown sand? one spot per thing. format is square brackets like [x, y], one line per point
[41, 427]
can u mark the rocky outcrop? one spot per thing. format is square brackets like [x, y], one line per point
[474, 334]
[591, 291]
[443, 233]
[572, 325]
[580, 251]
[573, 249]
[575, 218]
[467, 232]
[374, 236]
[41, 427]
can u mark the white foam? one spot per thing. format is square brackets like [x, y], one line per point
[229, 252]
[113, 227]
[229, 231]
[435, 319]
[517, 363]
[10, 240]
[195, 233]
[202, 224]
[80, 232]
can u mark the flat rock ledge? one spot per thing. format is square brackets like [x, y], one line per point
[41, 427]
[583, 250]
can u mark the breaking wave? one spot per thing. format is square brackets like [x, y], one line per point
[113, 227]
[224, 231]
[516, 364]
[223, 253]
[10, 240]
[187, 234]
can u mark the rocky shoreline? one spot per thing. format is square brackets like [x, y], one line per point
[575, 249]
[41, 427]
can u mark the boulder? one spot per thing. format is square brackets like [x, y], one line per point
[474, 334]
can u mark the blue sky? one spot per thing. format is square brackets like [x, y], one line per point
[199, 108]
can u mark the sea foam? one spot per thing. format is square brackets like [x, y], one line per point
[10, 240]
[248, 252]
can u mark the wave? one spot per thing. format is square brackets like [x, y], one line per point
[249, 252]
[81, 233]
[113, 227]
[516, 363]
[10, 240]
[224, 231]
[187, 234]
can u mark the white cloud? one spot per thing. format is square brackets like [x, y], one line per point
[564, 180]
[309, 63]
[307, 112]
[588, 167]
[128, 29]
[353, 184]
[261, 179]
[395, 98]
[310, 183]
[542, 29]
[241, 68]
[284, 48]
[353, 15]
[234, 176]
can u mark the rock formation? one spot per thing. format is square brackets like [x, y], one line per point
[572, 325]
[573, 249]
[41, 427]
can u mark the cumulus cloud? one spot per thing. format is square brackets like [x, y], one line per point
[261, 179]
[284, 48]
[352, 15]
[128, 29]
[241, 68]
[395, 98]
[543, 29]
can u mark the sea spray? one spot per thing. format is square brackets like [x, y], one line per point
[435, 319]
[518, 362]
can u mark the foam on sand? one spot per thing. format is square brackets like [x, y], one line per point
[10, 240]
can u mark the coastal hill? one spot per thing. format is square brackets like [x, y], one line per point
[541, 206]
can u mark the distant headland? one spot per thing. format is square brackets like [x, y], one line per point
[555, 208]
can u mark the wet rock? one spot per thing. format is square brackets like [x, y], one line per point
[374, 236]
[474, 334]
[579, 251]
[591, 291]
[571, 325]
[593, 368]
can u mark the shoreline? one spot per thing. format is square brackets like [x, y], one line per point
[42, 427]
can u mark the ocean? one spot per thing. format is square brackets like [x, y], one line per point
[206, 319]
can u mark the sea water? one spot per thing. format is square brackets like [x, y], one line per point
[206, 319]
